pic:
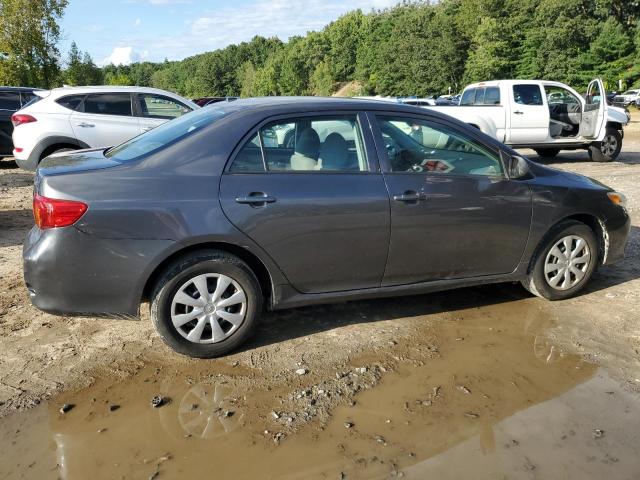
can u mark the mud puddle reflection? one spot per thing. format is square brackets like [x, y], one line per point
[500, 401]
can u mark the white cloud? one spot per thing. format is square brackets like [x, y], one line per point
[124, 56]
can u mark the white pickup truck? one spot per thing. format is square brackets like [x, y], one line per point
[545, 116]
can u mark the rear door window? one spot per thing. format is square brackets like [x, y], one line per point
[108, 104]
[10, 101]
[527, 94]
[159, 106]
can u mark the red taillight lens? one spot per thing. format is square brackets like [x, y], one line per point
[51, 213]
[21, 118]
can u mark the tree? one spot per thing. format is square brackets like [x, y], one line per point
[247, 80]
[80, 68]
[321, 81]
[29, 35]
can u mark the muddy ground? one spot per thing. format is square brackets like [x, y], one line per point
[483, 382]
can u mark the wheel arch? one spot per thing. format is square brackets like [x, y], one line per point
[258, 267]
[593, 222]
[616, 125]
[50, 144]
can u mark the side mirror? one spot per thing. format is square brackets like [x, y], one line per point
[517, 166]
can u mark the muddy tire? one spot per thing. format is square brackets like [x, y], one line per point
[564, 262]
[206, 304]
[547, 152]
[609, 149]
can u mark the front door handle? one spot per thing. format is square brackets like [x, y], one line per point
[256, 199]
[518, 112]
[410, 196]
[86, 125]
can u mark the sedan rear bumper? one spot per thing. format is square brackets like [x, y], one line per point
[71, 273]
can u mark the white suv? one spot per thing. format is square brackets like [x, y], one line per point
[73, 118]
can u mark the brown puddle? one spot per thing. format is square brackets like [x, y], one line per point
[500, 401]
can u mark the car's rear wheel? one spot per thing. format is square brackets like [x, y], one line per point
[547, 152]
[206, 304]
[609, 148]
[565, 262]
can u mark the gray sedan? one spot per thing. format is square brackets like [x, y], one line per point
[282, 202]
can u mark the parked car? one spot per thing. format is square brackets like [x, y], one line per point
[73, 118]
[543, 115]
[210, 225]
[448, 100]
[417, 102]
[12, 99]
[627, 98]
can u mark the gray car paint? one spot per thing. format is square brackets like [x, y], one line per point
[145, 212]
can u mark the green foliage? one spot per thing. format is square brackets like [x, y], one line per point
[29, 35]
[80, 69]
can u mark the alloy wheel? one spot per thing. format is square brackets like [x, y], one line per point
[567, 262]
[208, 308]
[609, 145]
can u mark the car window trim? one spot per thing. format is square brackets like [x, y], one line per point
[363, 125]
[384, 158]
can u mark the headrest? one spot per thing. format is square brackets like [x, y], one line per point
[308, 143]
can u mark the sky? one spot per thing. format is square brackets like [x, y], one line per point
[125, 31]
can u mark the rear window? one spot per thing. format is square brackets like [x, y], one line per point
[481, 96]
[165, 135]
[10, 101]
[108, 104]
[72, 102]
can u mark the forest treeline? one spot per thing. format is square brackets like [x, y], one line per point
[415, 48]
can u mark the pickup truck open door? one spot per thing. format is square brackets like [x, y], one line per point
[595, 110]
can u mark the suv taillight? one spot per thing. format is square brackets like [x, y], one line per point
[21, 118]
[51, 212]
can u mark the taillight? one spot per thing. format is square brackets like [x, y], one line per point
[21, 118]
[51, 212]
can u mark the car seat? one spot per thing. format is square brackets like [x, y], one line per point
[307, 150]
[334, 153]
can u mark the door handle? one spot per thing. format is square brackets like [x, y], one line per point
[518, 112]
[257, 199]
[410, 196]
[86, 125]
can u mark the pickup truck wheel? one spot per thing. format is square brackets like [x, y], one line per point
[547, 152]
[609, 148]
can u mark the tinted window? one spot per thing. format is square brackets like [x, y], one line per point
[492, 96]
[305, 144]
[158, 106]
[468, 97]
[108, 104]
[26, 97]
[10, 101]
[527, 94]
[416, 145]
[164, 135]
[72, 102]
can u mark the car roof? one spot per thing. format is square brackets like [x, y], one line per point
[313, 103]
[19, 89]
[108, 88]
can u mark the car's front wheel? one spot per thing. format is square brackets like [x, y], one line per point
[609, 148]
[206, 304]
[564, 263]
[547, 152]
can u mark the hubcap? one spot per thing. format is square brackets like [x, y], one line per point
[567, 262]
[208, 308]
[609, 145]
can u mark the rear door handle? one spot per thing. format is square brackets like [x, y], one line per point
[518, 112]
[410, 196]
[86, 125]
[257, 199]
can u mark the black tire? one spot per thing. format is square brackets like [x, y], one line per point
[187, 267]
[609, 149]
[547, 152]
[536, 281]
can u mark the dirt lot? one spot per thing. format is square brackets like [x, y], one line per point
[515, 386]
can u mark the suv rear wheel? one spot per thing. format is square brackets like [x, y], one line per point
[206, 304]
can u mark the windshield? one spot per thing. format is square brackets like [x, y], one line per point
[164, 135]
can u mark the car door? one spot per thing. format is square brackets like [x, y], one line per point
[595, 111]
[105, 119]
[528, 115]
[454, 212]
[154, 110]
[306, 188]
